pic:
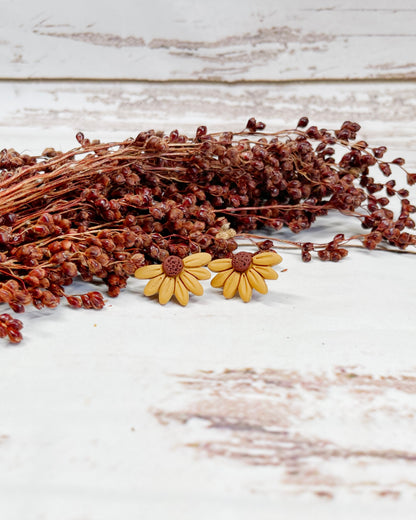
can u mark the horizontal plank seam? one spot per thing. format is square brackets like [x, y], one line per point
[390, 79]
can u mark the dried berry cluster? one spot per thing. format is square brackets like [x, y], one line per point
[11, 328]
[104, 209]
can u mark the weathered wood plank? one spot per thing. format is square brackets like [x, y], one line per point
[302, 400]
[116, 110]
[220, 41]
[325, 433]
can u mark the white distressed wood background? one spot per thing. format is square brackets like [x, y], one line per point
[298, 405]
[211, 41]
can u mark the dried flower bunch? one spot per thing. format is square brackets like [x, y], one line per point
[103, 210]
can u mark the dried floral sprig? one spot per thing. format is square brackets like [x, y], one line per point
[102, 210]
[244, 272]
[11, 328]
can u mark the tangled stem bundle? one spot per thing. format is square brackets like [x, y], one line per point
[104, 209]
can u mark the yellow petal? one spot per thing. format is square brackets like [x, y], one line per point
[266, 272]
[219, 279]
[196, 260]
[181, 293]
[166, 290]
[244, 288]
[231, 284]
[256, 281]
[148, 271]
[220, 265]
[267, 258]
[199, 272]
[191, 283]
[153, 286]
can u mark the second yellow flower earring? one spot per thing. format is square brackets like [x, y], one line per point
[244, 272]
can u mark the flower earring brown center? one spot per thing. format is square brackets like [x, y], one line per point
[241, 261]
[172, 265]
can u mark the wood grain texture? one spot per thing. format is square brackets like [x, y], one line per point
[385, 110]
[327, 434]
[150, 412]
[210, 41]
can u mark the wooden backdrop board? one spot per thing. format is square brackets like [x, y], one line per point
[210, 41]
[299, 403]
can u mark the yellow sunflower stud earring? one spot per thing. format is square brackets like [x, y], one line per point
[244, 272]
[176, 276]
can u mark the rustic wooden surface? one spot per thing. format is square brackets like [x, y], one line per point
[299, 404]
[37, 112]
[211, 41]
